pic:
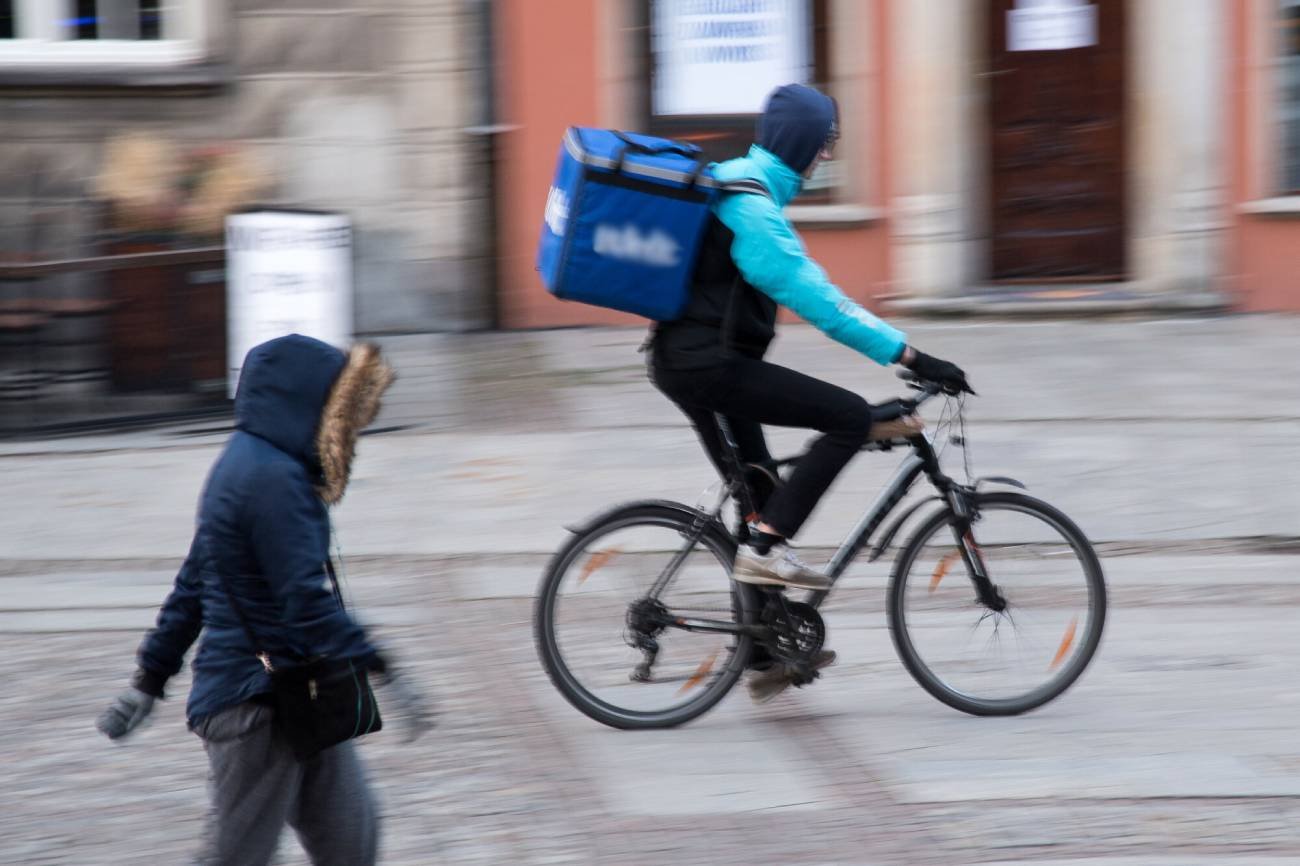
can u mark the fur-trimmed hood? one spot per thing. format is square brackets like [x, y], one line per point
[353, 403]
[311, 401]
[262, 538]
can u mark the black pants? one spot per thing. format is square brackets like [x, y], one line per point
[749, 393]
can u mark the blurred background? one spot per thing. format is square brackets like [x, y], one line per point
[1112, 154]
[1091, 205]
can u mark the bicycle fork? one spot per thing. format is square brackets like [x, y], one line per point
[965, 516]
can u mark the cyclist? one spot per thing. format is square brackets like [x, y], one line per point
[710, 360]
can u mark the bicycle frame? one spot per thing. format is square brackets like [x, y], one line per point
[758, 625]
[923, 459]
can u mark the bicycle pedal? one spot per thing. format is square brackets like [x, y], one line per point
[802, 675]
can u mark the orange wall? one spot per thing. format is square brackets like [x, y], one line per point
[546, 62]
[1262, 262]
[548, 74]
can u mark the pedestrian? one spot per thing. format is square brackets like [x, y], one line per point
[258, 583]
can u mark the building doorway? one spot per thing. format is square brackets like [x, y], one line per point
[1057, 157]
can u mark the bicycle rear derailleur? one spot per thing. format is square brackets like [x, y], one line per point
[646, 619]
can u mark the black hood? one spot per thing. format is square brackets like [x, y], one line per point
[283, 387]
[795, 124]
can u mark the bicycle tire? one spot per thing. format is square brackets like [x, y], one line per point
[657, 513]
[917, 667]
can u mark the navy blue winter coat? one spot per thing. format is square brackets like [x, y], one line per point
[263, 529]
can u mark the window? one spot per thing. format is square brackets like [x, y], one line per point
[6, 19]
[1289, 92]
[721, 57]
[711, 63]
[100, 31]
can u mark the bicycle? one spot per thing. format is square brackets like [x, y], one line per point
[661, 657]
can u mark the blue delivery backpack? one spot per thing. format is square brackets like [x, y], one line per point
[624, 219]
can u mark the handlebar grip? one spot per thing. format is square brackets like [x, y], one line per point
[925, 386]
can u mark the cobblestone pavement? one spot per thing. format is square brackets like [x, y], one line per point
[1173, 444]
[1178, 743]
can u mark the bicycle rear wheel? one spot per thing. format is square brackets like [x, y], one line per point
[597, 613]
[997, 663]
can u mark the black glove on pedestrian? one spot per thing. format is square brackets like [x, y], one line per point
[945, 373]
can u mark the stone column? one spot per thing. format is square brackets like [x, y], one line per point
[1176, 182]
[621, 64]
[854, 68]
[938, 144]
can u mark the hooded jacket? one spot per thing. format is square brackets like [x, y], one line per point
[749, 237]
[263, 532]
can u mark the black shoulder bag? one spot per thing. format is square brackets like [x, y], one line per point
[319, 702]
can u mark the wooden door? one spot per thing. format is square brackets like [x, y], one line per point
[1057, 155]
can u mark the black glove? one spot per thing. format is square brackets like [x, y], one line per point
[941, 372]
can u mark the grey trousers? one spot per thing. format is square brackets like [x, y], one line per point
[258, 786]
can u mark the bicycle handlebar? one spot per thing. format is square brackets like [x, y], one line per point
[926, 388]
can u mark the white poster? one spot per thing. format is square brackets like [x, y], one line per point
[1051, 25]
[725, 56]
[287, 273]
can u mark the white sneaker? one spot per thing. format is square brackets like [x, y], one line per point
[778, 567]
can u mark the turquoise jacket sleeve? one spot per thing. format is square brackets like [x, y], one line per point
[773, 260]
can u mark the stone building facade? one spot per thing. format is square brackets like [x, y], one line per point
[366, 107]
[995, 154]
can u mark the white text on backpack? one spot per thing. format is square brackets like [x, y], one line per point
[557, 210]
[628, 243]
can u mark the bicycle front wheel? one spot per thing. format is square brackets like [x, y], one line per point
[998, 663]
[607, 614]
